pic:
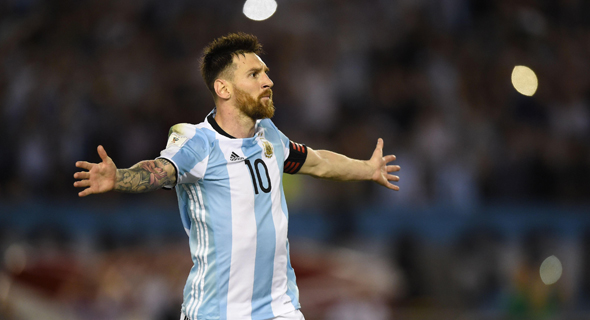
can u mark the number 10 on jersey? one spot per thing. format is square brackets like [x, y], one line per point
[256, 168]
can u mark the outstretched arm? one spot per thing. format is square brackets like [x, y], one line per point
[147, 175]
[330, 165]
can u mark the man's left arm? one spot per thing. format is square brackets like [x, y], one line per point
[330, 165]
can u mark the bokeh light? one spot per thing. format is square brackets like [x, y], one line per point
[550, 270]
[4, 287]
[15, 258]
[524, 80]
[259, 10]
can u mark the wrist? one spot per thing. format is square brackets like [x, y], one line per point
[118, 178]
[371, 169]
[367, 170]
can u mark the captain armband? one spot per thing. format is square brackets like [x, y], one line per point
[296, 159]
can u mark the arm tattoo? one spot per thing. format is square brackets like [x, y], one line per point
[145, 176]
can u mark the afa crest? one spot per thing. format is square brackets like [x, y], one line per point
[268, 149]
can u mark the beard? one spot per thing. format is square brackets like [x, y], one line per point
[255, 108]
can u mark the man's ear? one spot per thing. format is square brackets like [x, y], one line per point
[222, 89]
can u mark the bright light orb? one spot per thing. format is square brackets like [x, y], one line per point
[524, 80]
[259, 10]
[551, 270]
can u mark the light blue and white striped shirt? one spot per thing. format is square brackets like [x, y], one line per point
[233, 208]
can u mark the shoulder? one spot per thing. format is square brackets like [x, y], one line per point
[192, 135]
[268, 125]
[183, 129]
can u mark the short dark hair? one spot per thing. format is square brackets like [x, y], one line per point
[218, 55]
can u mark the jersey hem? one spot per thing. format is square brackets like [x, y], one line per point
[258, 317]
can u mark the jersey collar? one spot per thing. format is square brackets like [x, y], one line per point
[217, 128]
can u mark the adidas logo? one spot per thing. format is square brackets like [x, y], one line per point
[235, 157]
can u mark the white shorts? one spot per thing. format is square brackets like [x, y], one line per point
[293, 315]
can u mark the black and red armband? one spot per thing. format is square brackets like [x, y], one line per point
[297, 156]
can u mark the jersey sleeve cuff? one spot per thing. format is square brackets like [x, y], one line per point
[170, 187]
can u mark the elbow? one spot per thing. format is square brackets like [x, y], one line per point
[322, 170]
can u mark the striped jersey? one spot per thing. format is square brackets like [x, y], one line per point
[233, 208]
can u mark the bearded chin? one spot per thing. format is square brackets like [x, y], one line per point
[255, 109]
[264, 110]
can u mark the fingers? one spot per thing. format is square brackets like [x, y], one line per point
[391, 177]
[82, 184]
[392, 186]
[379, 143]
[389, 158]
[84, 193]
[102, 153]
[85, 165]
[386, 182]
[84, 175]
[378, 149]
[393, 168]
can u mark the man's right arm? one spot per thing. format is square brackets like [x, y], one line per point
[147, 175]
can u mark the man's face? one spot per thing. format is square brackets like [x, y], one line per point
[252, 87]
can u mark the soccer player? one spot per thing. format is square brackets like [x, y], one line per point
[227, 172]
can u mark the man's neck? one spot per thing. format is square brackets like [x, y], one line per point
[235, 123]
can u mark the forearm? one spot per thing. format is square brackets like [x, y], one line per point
[335, 166]
[145, 176]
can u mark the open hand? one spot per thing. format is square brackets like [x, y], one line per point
[99, 178]
[382, 170]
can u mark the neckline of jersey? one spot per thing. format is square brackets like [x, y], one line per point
[216, 127]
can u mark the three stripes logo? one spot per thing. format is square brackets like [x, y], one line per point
[235, 157]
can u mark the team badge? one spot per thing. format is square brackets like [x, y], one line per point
[268, 150]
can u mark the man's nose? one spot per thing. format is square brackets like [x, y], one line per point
[266, 82]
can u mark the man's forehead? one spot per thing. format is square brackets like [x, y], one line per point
[248, 60]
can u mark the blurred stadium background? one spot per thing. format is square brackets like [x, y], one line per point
[493, 182]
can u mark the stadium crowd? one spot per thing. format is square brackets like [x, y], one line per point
[432, 78]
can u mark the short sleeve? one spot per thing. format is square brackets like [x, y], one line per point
[187, 149]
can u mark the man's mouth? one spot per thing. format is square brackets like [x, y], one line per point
[266, 95]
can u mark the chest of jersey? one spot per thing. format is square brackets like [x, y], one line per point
[247, 166]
